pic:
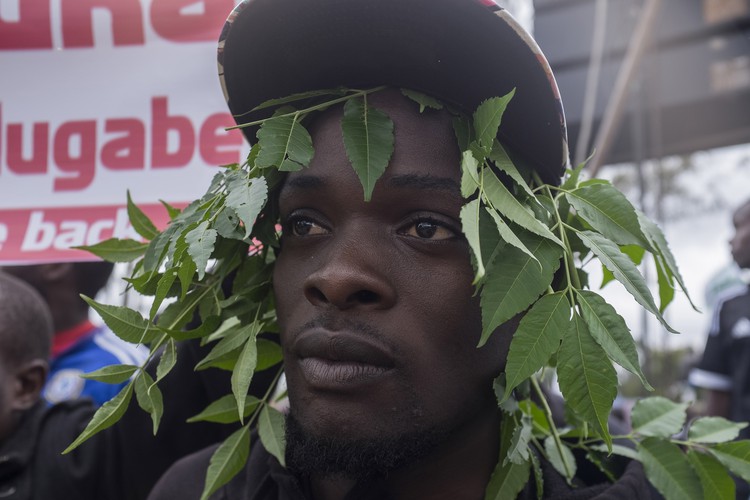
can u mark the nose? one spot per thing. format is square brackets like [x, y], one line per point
[351, 276]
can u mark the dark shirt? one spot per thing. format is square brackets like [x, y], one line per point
[263, 478]
[726, 360]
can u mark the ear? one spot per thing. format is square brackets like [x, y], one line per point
[30, 379]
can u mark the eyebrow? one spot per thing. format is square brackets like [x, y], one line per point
[409, 181]
[426, 181]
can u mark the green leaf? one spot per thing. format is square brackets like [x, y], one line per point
[464, 132]
[368, 140]
[507, 234]
[247, 198]
[514, 286]
[171, 211]
[228, 459]
[624, 270]
[470, 227]
[163, 287]
[611, 332]
[518, 451]
[112, 374]
[502, 200]
[658, 416]
[659, 243]
[469, 174]
[716, 481]
[300, 96]
[140, 221]
[157, 249]
[206, 328]
[490, 241]
[185, 274]
[664, 279]
[242, 374]
[714, 430]
[487, 118]
[271, 432]
[501, 159]
[423, 100]
[536, 466]
[618, 449]
[106, 416]
[735, 455]
[587, 379]
[126, 323]
[236, 338]
[224, 410]
[508, 478]
[609, 212]
[574, 175]
[537, 338]
[201, 241]
[269, 354]
[227, 224]
[284, 144]
[539, 420]
[116, 250]
[561, 458]
[669, 470]
[167, 361]
[149, 398]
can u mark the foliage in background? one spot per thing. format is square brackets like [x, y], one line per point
[529, 242]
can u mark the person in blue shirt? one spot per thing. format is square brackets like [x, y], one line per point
[78, 346]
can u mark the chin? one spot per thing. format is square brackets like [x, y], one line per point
[354, 455]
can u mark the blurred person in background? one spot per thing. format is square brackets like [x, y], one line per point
[78, 346]
[120, 463]
[724, 372]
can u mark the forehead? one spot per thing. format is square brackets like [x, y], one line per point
[425, 147]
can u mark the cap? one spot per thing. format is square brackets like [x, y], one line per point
[459, 51]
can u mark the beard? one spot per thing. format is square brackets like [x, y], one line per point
[358, 459]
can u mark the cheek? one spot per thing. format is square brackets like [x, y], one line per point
[287, 288]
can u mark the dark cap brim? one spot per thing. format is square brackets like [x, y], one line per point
[459, 51]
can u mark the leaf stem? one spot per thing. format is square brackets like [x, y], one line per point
[316, 107]
[551, 422]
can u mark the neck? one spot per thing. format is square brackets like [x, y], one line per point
[458, 469]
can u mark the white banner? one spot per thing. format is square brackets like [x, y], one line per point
[98, 97]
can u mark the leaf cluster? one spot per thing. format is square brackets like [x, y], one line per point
[209, 275]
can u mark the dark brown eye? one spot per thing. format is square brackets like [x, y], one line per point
[429, 230]
[426, 229]
[305, 227]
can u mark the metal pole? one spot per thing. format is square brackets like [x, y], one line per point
[613, 113]
[592, 81]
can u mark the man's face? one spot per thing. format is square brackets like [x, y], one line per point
[740, 242]
[8, 382]
[379, 321]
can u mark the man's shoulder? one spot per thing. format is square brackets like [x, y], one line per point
[739, 293]
[261, 478]
[185, 479]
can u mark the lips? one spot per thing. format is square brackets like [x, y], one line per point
[336, 360]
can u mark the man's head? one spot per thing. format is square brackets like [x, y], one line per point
[62, 283]
[379, 320]
[740, 242]
[378, 314]
[25, 335]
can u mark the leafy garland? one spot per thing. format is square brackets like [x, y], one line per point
[529, 243]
